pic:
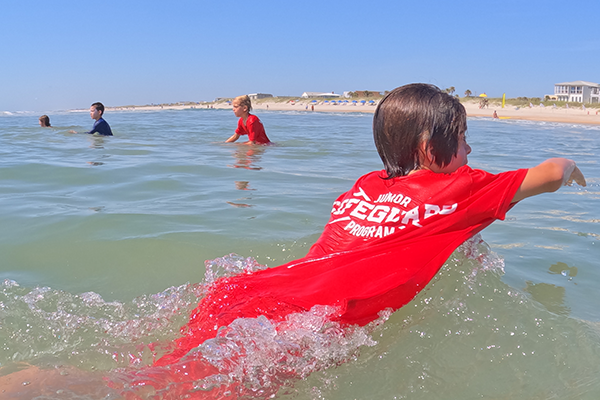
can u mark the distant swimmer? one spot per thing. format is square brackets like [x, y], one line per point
[495, 115]
[100, 127]
[248, 124]
[45, 121]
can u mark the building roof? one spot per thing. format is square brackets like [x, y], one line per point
[578, 83]
[320, 94]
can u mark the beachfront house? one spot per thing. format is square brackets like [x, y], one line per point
[307, 95]
[577, 92]
[255, 96]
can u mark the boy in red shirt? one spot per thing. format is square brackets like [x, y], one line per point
[386, 238]
[248, 124]
[390, 234]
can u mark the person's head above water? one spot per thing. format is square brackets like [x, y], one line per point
[418, 119]
[96, 110]
[45, 121]
[241, 105]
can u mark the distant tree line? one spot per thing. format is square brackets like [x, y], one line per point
[366, 93]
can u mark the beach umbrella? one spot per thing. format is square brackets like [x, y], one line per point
[483, 95]
[363, 101]
[326, 101]
[314, 101]
[371, 101]
[354, 101]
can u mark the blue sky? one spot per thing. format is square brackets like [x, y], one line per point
[67, 54]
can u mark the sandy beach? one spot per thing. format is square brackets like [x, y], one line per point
[535, 113]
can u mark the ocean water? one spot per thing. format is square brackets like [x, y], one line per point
[103, 242]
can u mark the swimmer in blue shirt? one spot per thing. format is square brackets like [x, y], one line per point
[100, 127]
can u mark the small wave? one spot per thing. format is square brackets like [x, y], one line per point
[85, 330]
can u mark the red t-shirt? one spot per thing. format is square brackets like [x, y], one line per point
[423, 204]
[254, 129]
[385, 241]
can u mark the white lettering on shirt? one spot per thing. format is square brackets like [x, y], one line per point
[432, 209]
[360, 210]
[411, 216]
[362, 193]
[370, 231]
[377, 216]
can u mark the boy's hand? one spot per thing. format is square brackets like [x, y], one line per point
[548, 177]
[576, 176]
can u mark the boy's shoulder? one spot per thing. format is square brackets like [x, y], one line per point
[424, 180]
[420, 175]
[252, 118]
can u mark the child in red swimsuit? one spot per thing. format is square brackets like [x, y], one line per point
[248, 124]
[386, 238]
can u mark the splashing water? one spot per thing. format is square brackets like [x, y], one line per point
[42, 324]
[257, 358]
[251, 358]
[254, 357]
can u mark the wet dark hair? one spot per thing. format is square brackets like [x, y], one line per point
[45, 120]
[410, 115]
[99, 106]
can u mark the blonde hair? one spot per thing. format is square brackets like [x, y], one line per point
[244, 101]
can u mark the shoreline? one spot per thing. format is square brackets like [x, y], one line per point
[535, 113]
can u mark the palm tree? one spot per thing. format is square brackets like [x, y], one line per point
[468, 93]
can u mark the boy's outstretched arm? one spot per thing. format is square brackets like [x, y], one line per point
[233, 138]
[549, 176]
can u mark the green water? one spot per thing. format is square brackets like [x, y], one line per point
[133, 218]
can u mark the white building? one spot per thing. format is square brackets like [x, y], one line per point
[307, 95]
[577, 92]
[255, 96]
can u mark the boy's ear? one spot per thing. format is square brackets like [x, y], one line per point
[425, 154]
